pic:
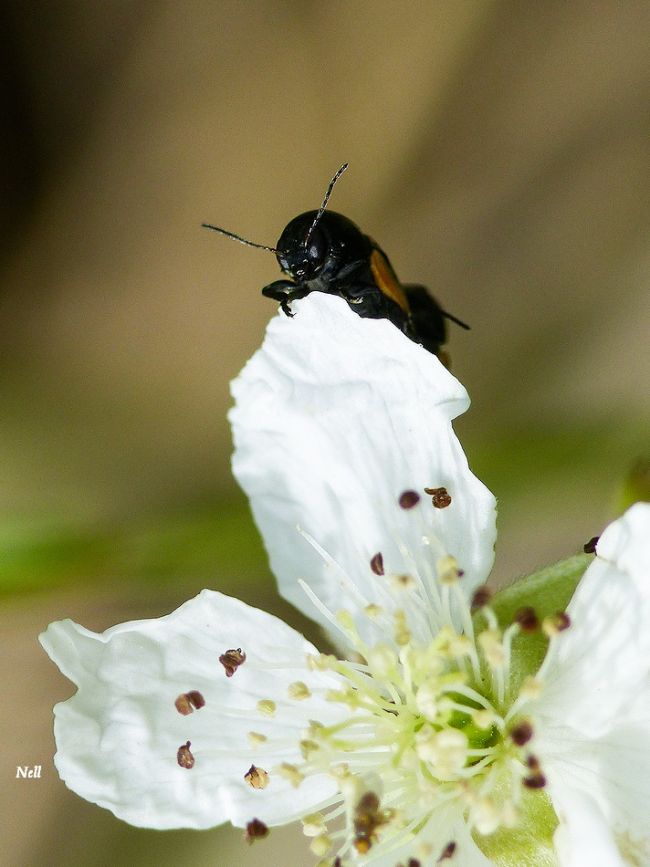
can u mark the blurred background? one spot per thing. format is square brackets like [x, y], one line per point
[498, 152]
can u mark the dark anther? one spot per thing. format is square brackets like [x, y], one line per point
[367, 818]
[447, 852]
[532, 762]
[527, 619]
[231, 660]
[535, 781]
[481, 597]
[184, 756]
[255, 830]
[521, 733]
[257, 778]
[440, 497]
[188, 702]
[377, 564]
[590, 546]
[409, 499]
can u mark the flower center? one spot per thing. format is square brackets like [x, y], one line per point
[434, 723]
[431, 717]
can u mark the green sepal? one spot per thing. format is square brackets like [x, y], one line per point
[547, 591]
[530, 843]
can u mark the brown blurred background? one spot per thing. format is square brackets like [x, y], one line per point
[498, 152]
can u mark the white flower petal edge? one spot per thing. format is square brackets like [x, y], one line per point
[118, 737]
[337, 416]
[592, 723]
[583, 838]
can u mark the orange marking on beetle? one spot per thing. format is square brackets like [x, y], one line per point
[387, 281]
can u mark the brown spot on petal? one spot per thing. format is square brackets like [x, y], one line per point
[447, 852]
[184, 756]
[231, 660]
[527, 619]
[408, 499]
[188, 702]
[481, 597]
[590, 546]
[521, 733]
[256, 830]
[440, 497]
[535, 781]
[377, 564]
[257, 778]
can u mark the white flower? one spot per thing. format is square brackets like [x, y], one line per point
[430, 744]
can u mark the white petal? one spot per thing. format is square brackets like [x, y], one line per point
[118, 736]
[335, 417]
[613, 771]
[623, 776]
[626, 543]
[583, 838]
[594, 669]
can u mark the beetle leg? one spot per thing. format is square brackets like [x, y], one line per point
[284, 306]
[284, 291]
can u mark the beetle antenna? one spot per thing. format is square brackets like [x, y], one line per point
[238, 238]
[457, 321]
[321, 210]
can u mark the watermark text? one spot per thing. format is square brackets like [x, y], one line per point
[28, 772]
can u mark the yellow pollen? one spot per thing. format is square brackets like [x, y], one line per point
[256, 739]
[447, 569]
[266, 707]
[492, 646]
[426, 700]
[308, 747]
[403, 582]
[444, 751]
[345, 619]
[320, 661]
[321, 845]
[382, 659]
[402, 632]
[484, 718]
[313, 825]
[299, 691]
[531, 688]
[291, 773]
[485, 816]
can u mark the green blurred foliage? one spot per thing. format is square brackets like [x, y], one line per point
[556, 469]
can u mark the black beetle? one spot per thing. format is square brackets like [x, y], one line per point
[322, 251]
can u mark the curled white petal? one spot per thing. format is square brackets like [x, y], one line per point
[583, 838]
[596, 667]
[593, 719]
[336, 416]
[119, 735]
[626, 543]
